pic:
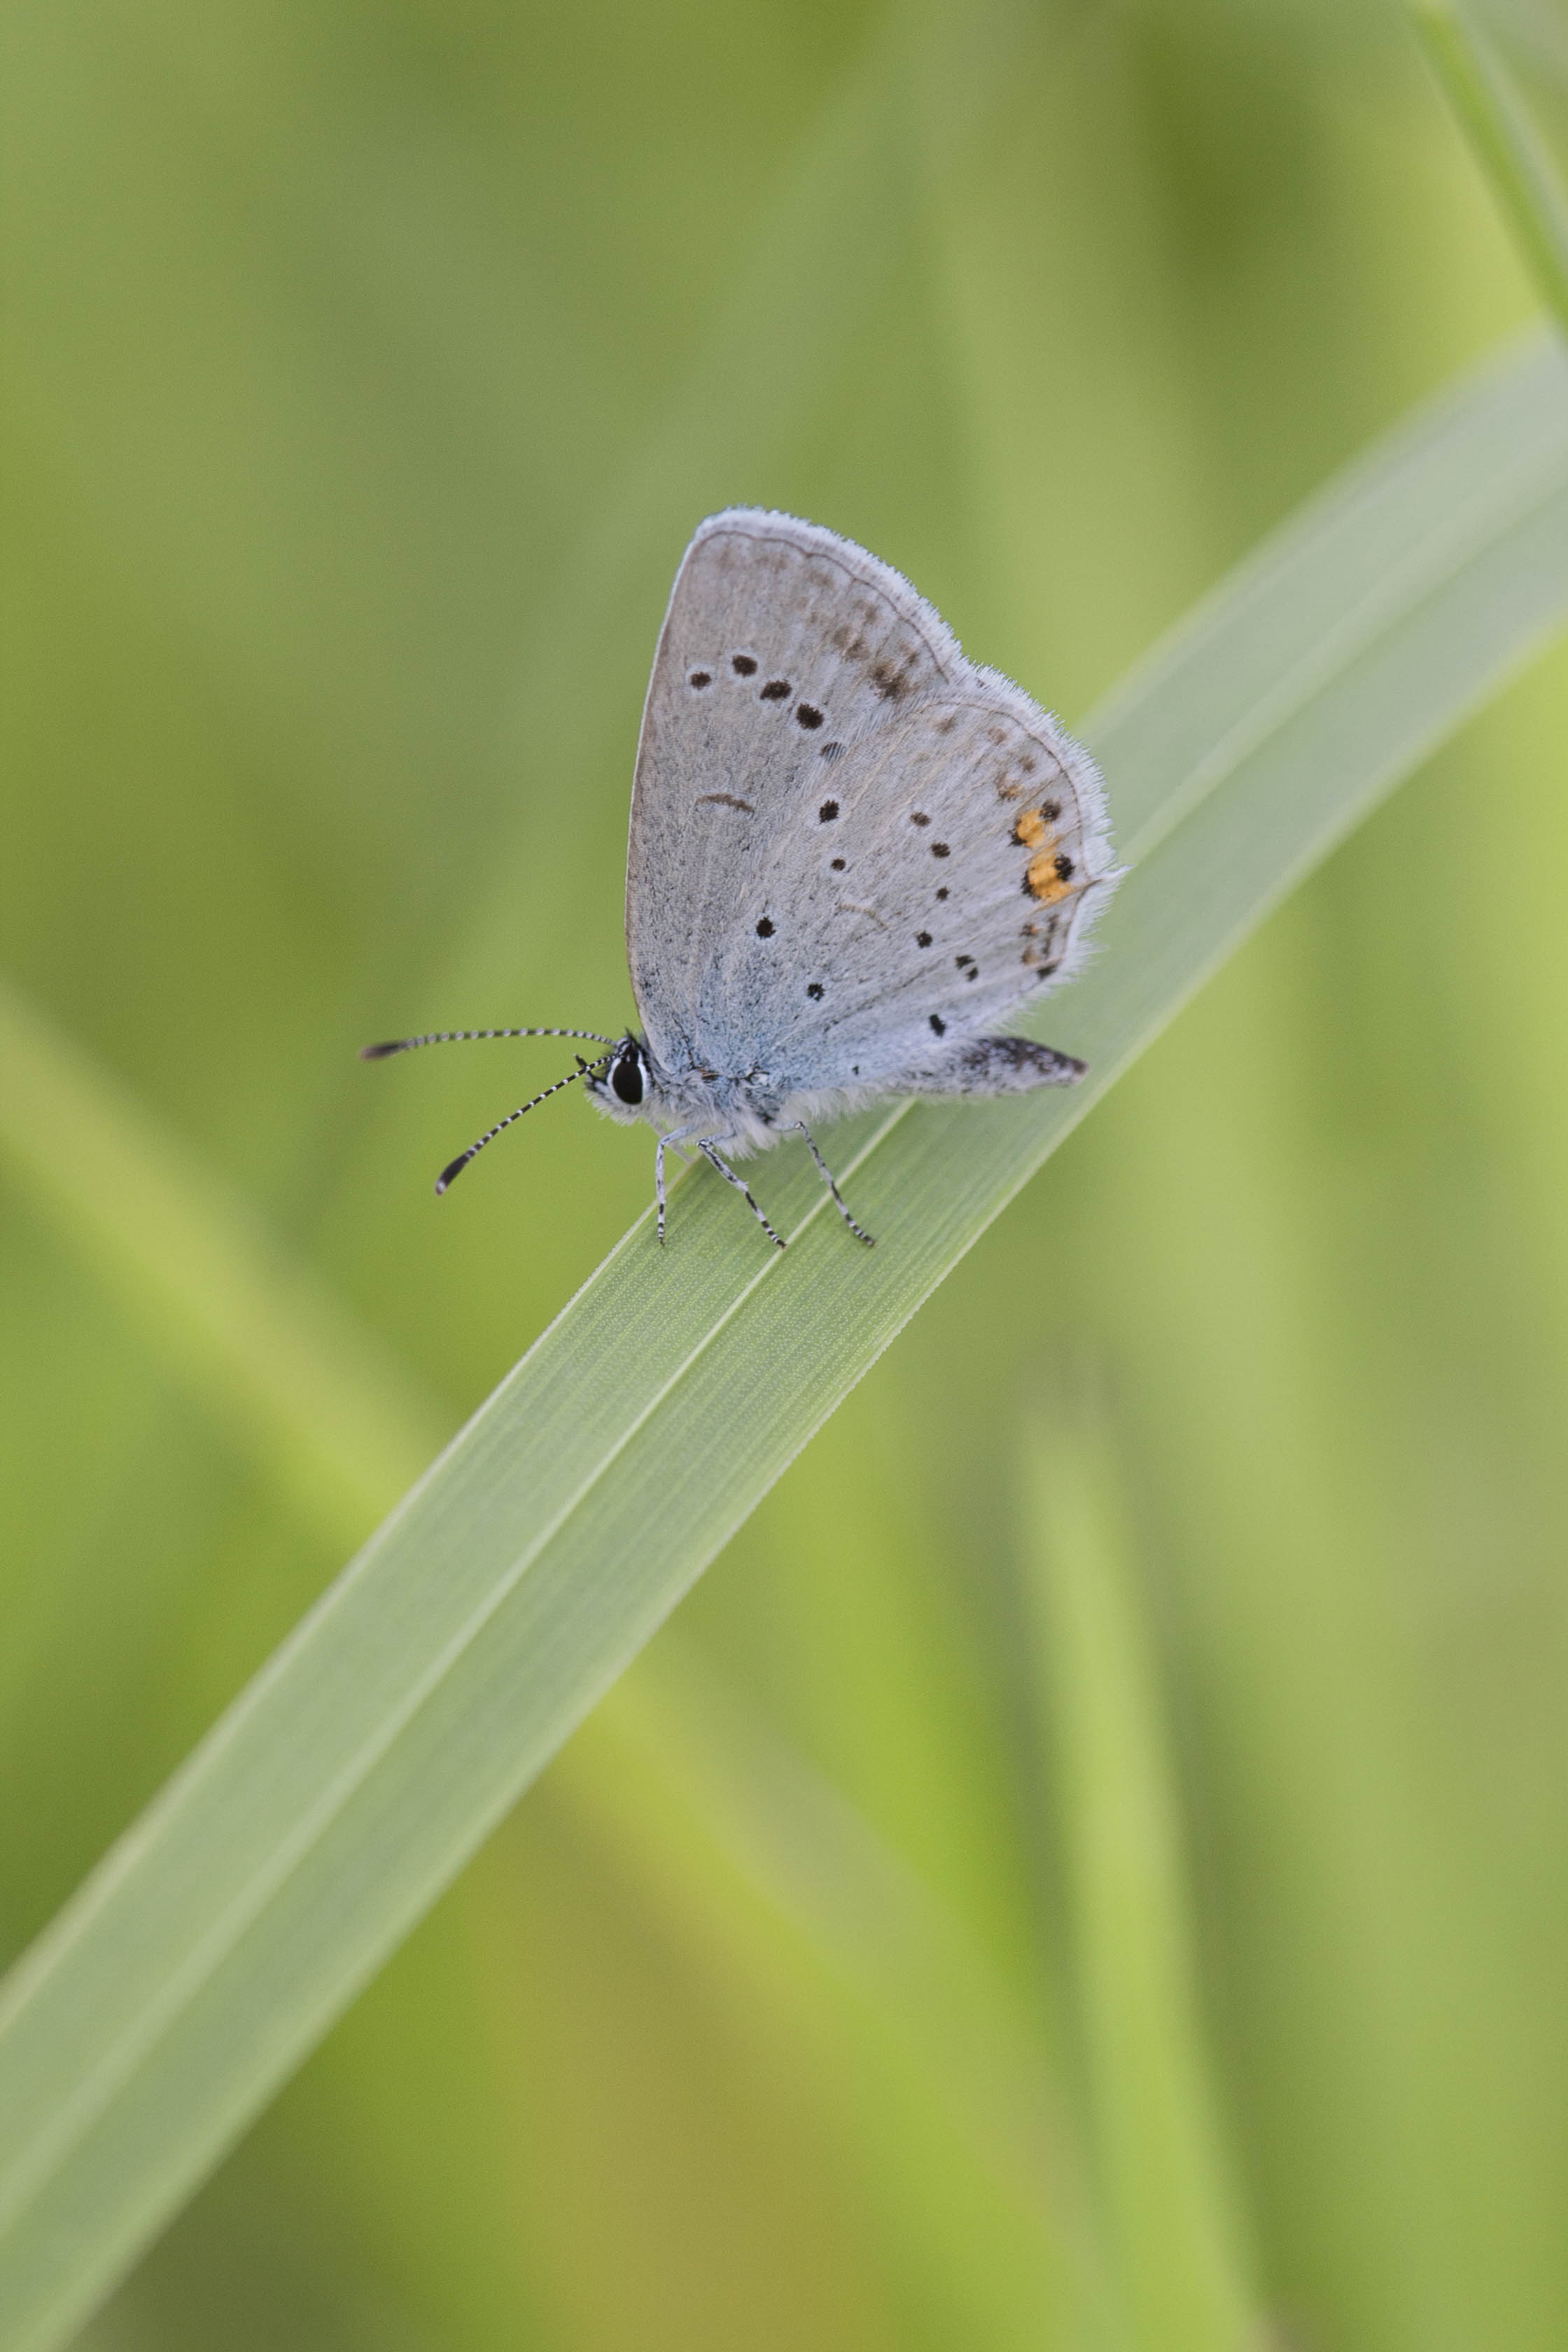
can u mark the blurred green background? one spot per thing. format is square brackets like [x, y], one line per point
[368, 364]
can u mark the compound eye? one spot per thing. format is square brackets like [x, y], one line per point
[626, 1075]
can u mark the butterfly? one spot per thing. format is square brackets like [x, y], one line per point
[853, 854]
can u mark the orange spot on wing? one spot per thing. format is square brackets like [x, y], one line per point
[1043, 880]
[1030, 829]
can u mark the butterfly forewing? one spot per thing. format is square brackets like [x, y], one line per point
[784, 650]
[849, 843]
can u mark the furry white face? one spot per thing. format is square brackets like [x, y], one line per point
[623, 1089]
[630, 1085]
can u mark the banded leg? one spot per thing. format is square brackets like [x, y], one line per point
[708, 1146]
[676, 1137]
[825, 1173]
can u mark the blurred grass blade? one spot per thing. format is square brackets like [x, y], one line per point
[363, 1765]
[939, 2086]
[289, 1377]
[1508, 147]
[1170, 2221]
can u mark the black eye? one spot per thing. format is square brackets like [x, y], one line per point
[626, 1076]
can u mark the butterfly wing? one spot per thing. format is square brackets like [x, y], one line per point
[848, 843]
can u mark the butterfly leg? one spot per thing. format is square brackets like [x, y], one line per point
[708, 1146]
[825, 1173]
[675, 1138]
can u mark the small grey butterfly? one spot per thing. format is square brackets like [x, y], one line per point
[852, 853]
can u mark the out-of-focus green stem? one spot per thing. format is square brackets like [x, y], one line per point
[295, 1383]
[1507, 144]
[1173, 2233]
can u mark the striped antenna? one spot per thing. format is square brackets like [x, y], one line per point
[454, 1168]
[465, 1036]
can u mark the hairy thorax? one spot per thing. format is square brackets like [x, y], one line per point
[749, 1110]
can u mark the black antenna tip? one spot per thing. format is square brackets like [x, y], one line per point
[450, 1173]
[380, 1053]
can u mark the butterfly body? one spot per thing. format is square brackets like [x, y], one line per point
[749, 1110]
[853, 853]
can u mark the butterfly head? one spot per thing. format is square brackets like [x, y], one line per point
[624, 1083]
[630, 1083]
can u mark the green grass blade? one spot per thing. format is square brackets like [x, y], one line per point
[769, 1878]
[1168, 2218]
[369, 1759]
[1525, 180]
